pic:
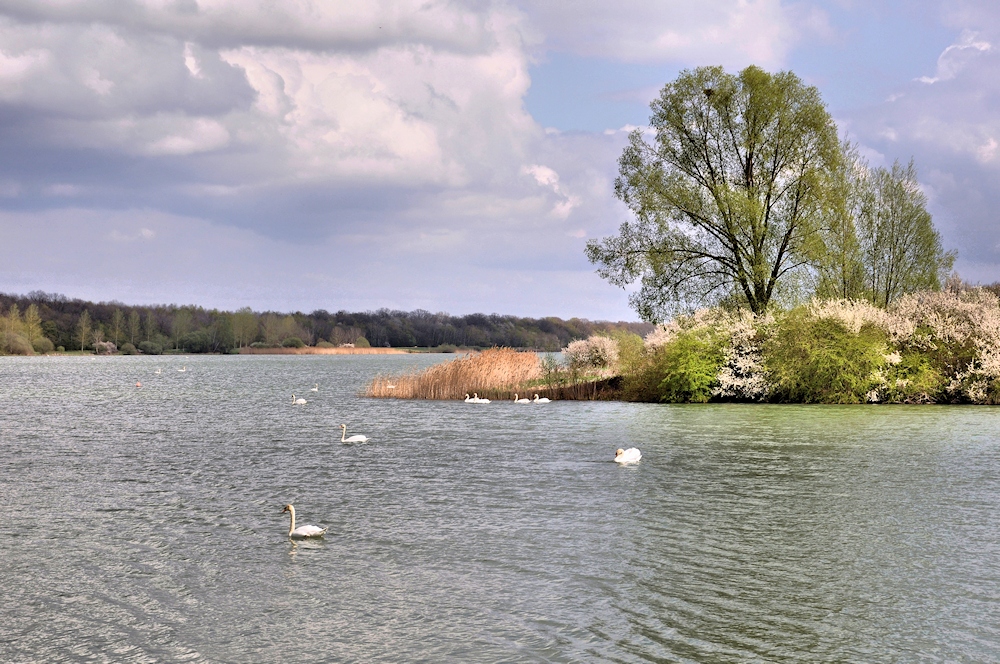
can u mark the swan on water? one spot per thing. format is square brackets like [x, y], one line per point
[314, 388]
[542, 399]
[476, 398]
[157, 372]
[353, 439]
[302, 531]
[468, 399]
[298, 402]
[631, 455]
[183, 369]
[524, 400]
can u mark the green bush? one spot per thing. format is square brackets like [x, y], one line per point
[362, 343]
[324, 344]
[15, 344]
[689, 366]
[818, 360]
[914, 379]
[150, 348]
[127, 349]
[195, 342]
[61, 349]
[43, 345]
[293, 342]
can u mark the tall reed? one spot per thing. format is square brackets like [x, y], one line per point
[493, 373]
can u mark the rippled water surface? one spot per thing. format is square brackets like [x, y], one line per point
[142, 525]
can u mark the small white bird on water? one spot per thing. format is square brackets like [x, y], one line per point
[298, 402]
[524, 400]
[315, 388]
[542, 399]
[302, 532]
[353, 439]
[157, 372]
[631, 455]
[183, 369]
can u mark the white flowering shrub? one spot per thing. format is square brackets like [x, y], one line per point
[744, 376]
[595, 352]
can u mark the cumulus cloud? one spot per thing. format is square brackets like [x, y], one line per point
[946, 120]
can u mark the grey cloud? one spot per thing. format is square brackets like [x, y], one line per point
[322, 26]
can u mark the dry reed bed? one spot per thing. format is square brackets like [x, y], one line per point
[493, 373]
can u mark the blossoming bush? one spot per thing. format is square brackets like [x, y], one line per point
[596, 352]
[933, 347]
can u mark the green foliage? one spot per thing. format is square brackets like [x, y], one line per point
[150, 348]
[631, 351]
[361, 342]
[818, 360]
[690, 367]
[14, 344]
[60, 349]
[324, 344]
[293, 342]
[128, 349]
[195, 342]
[43, 345]
[728, 198]
[914, 379]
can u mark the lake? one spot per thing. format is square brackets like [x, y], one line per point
[144, 524]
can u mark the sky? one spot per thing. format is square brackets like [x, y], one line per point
[424, 154]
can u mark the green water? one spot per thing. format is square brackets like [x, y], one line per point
[142, 525]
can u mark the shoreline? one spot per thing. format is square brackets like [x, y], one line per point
[312, 350]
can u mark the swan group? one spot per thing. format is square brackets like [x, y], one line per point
[298, 402]
[524, 400]
[301, 532]
[475, 398]
[358, 438]
[631, 455]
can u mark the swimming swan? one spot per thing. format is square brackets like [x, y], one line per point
[524, 400]
[353, 439]
[302, 531]
[298, 402]
[541, 400]
[631, 455]
[157, 372]
[183, 369]
[315, 388]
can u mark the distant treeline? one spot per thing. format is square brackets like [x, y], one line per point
[37, 319]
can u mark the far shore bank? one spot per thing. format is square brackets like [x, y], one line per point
[312, 350]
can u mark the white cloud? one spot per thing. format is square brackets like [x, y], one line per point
[958, 56]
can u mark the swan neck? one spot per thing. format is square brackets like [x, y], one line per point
[291, 513]
[343, 433]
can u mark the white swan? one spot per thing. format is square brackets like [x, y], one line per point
[542, 399]
[468, 399]
[298, 402]
[315, 388]
[524, 400]
[353, 439]
[631, 455]
[302, 531]
[183, 369]
[157, 372]
[477, 399]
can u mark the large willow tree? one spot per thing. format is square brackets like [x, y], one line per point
[728, 197]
